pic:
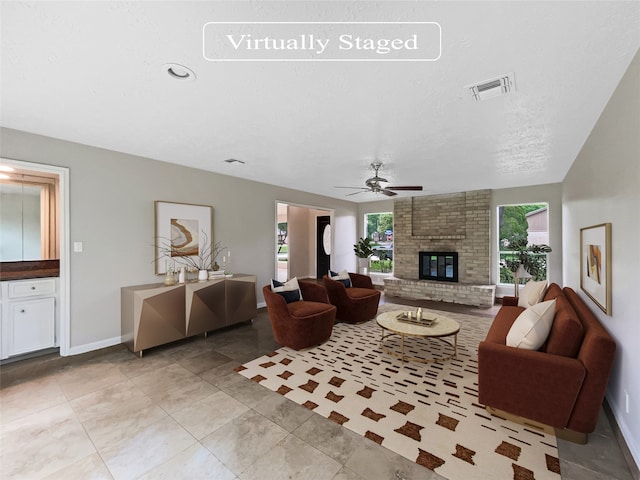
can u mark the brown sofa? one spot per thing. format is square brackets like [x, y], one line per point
[561, 385]
[304, 323]
[356, 304]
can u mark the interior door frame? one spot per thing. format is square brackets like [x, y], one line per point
[64, 278]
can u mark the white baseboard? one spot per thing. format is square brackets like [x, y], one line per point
[110, 342]
[629, 449]
[89, 347]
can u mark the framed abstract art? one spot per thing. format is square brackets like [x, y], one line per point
[182, 231]
[595, 264]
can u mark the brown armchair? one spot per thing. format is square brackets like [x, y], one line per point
[304, 323]
[356, 304]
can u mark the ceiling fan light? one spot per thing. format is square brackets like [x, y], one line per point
[376, 179]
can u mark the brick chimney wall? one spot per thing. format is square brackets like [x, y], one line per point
[455, 222]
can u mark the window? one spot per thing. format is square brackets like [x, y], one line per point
[379, 228]
[523, 229]
[282, 243]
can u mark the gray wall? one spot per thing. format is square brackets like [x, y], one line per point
[112, 212]
[603, 185]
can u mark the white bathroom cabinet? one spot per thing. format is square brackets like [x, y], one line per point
[28, 316]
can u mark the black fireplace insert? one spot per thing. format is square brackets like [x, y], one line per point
[441, 266]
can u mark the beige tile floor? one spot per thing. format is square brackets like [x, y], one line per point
[181, 412]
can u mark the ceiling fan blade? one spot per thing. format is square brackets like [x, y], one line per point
[358, 188]
[388, 193]
[406, 187]
[355, 193]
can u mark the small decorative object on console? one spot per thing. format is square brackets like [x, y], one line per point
[169, 277]
[417, 319]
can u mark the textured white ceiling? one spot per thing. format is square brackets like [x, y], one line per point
[91, 72]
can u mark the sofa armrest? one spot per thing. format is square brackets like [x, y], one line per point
[361, 281]
[510, 301]
[535, 385]
[313, 292]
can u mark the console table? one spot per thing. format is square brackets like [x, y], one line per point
[155, 314]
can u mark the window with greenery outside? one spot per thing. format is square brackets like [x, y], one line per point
[515, 246]
[283, 248]
[379, 229]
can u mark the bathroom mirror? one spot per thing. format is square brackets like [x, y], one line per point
[20, 217]
[28, 217]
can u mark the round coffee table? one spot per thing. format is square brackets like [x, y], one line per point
[441, 328]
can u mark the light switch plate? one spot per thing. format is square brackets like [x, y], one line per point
[77, 247]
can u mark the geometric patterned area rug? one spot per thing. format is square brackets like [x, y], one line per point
[428, 413]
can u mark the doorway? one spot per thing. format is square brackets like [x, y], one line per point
[60, 245]
[299, 237]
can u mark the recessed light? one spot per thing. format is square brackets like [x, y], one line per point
[6, 168]
[179, 72]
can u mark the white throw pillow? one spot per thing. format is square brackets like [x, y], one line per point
[342, 277]
[289, 290]
[532, 327]
[532, 293]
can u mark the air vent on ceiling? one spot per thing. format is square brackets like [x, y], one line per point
[493, 88]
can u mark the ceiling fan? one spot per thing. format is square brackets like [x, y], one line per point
[374, 184]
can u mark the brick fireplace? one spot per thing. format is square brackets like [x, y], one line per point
[454, 222]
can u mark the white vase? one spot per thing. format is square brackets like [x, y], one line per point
[203, 275]
[363, 264]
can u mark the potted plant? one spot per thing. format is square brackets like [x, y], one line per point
[204, 260]
[528, 257]
[363, 251]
